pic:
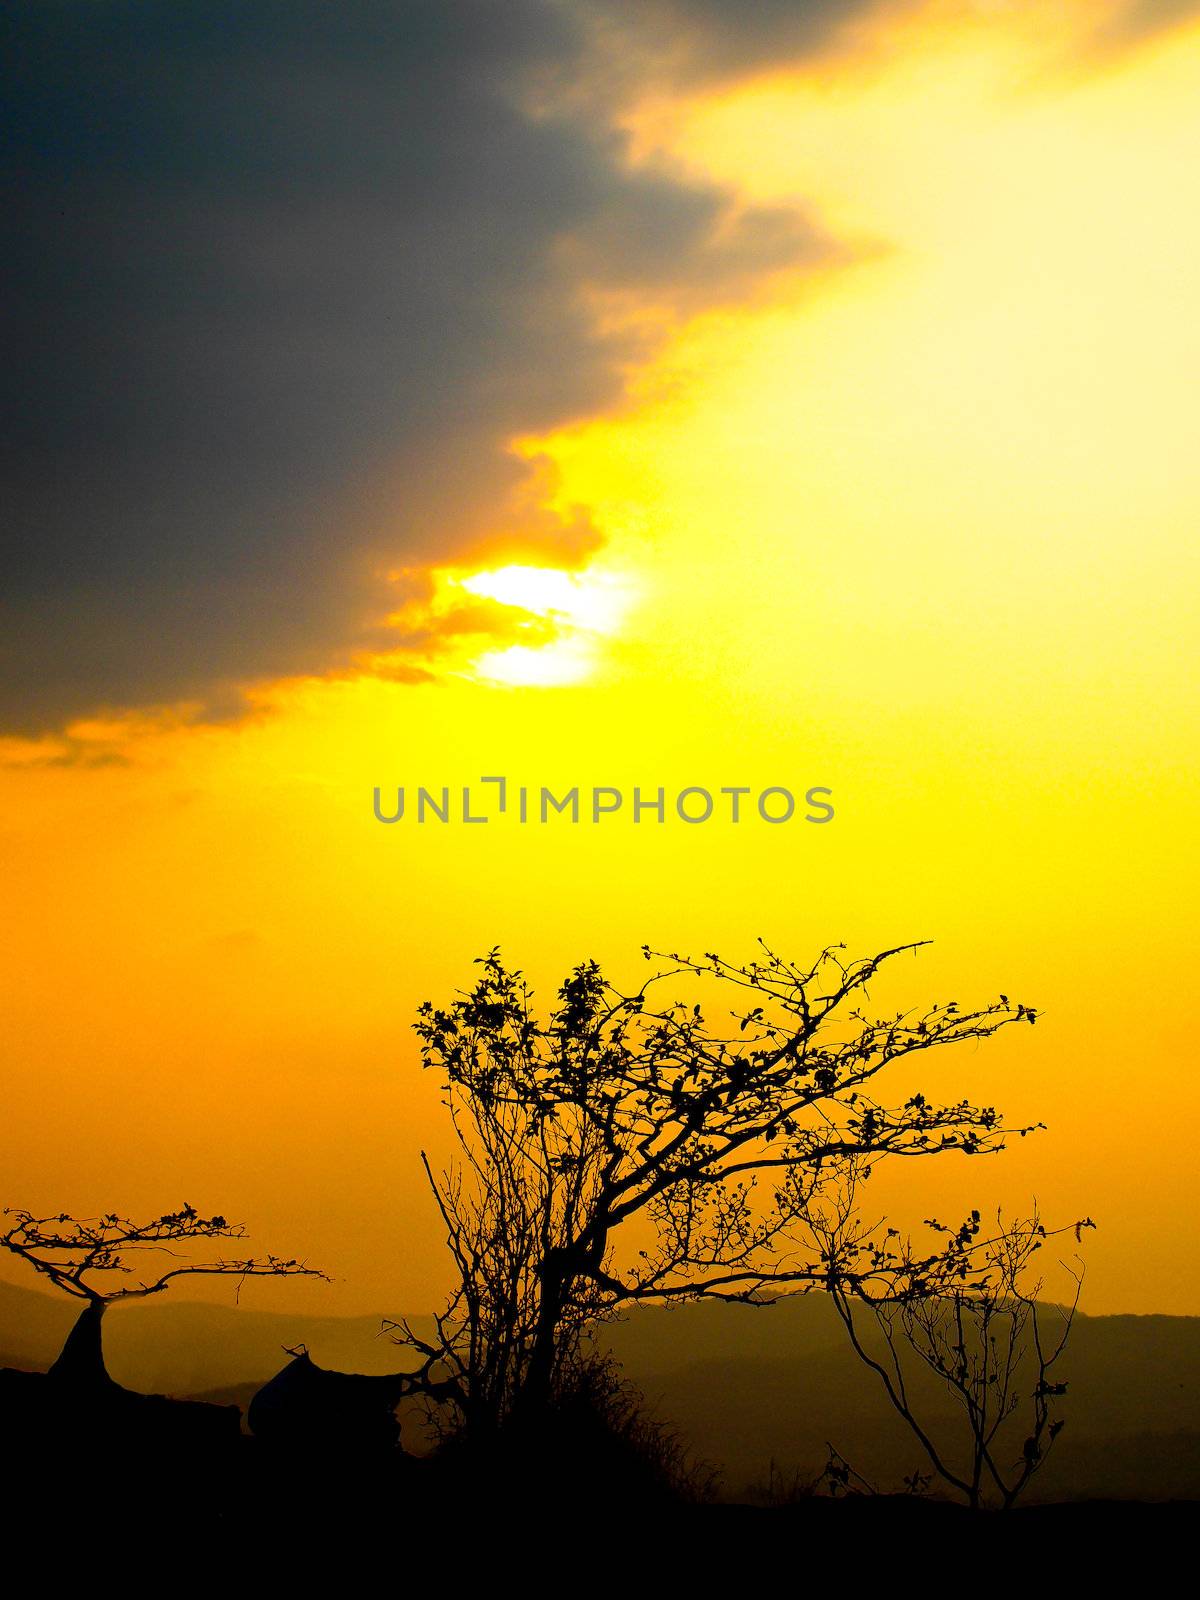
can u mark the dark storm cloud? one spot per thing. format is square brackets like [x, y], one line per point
[283, 276]
[702, 39]
[281, 279]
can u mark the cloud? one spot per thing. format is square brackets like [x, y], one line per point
[283, 279]
[1137, 20]
[698, 40]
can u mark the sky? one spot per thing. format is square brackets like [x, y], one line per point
[681, 394]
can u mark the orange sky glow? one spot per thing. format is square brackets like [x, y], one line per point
[915, 524]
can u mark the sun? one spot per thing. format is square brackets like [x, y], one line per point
[584, 607]
[592, 599]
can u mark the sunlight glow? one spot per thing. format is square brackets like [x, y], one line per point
[582, 606]
[593, 600]
[563, 662]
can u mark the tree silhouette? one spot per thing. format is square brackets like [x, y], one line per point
[87, 1257]
[968, 1315]
[620, 1116]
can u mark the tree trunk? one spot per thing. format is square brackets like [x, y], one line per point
[536, 1389]
[81, 1360]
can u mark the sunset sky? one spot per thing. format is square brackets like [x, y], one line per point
[592, 393]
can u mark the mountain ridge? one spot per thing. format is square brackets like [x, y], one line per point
[747, 1387]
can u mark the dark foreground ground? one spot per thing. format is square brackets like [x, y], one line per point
[163, 1495]
[330, 1527]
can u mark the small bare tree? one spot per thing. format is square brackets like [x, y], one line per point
[90, 1258]
[968, 1314]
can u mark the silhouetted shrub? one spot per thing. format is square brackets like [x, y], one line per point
[594, 1443]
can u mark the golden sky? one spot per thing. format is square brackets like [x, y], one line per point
[914, 522]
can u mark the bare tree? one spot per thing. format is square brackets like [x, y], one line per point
[619, 1115]
[968, 1315]
[90, 1258]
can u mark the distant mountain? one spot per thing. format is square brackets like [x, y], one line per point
[747, 1387]
[181, 1347]
[778, 1384]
